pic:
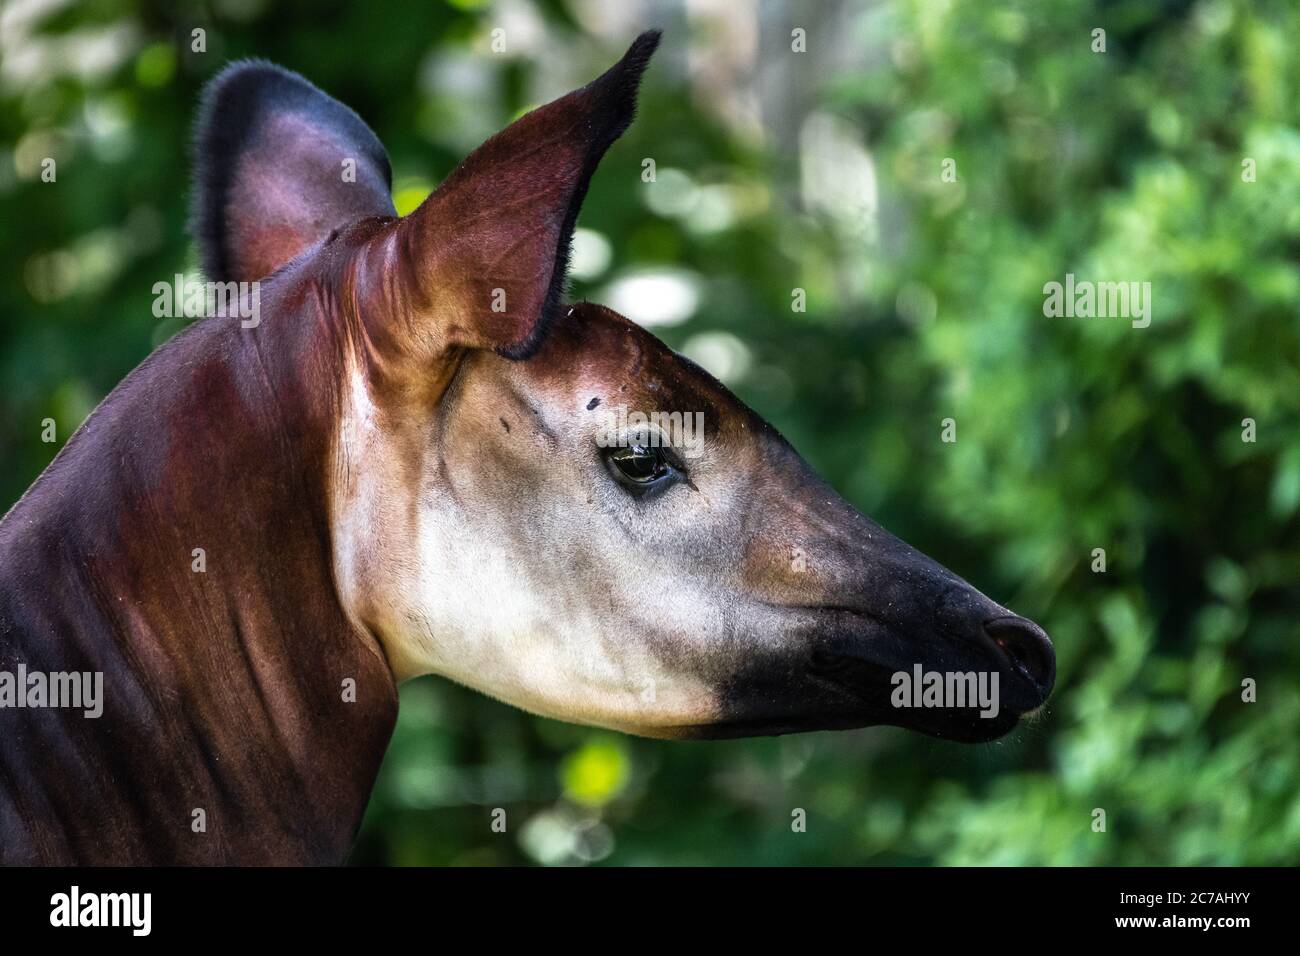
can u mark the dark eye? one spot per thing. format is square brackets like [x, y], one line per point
[641, 468]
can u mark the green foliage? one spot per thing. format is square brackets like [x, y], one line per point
[924, 302]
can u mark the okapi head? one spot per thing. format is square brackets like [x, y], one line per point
[500, 514]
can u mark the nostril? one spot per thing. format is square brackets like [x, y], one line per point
[1027, 647]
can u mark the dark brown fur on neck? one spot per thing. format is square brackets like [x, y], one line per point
[223, 690]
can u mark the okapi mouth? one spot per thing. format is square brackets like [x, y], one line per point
[959, 686]
[863, 672]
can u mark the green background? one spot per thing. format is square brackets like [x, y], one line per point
[819, 171]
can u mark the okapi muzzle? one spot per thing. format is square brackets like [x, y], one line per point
[422, 460]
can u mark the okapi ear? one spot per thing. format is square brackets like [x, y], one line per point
[278, 166]
[491, 244]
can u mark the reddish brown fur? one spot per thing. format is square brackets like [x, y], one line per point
[224, 690]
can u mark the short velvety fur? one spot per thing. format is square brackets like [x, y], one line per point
[223, 689]
[388, 477]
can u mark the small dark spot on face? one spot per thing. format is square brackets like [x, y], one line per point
[506, 425]
[593, 403]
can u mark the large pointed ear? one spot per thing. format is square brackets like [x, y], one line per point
[489, 249]
[278, 166]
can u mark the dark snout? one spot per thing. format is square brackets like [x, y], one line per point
[896, 638]
[873, 631]
[950, 661]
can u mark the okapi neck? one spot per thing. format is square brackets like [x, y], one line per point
[179, 545]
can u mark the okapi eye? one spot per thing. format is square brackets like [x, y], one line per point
[640, 467]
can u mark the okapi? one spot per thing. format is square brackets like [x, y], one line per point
[395, 473]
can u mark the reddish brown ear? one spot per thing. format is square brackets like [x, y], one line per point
[490, 247]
